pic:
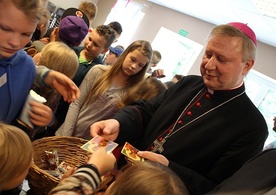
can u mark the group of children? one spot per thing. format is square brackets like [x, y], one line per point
[103, 85]
[104, 89]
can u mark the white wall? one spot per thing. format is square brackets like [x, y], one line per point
[157, 16]
[70, 3]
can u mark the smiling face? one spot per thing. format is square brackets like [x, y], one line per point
[134, 63]
[16, 29]
[222, 67]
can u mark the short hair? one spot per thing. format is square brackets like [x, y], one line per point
[156, 57]
[33, 9]
[59, 57]
[16, 152]
[107, 32]
[147, 89]
[116, 26]
[148, 178]
[44, 20]
[248, 46]
[89, 9]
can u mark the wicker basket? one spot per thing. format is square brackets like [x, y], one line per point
[69, 151]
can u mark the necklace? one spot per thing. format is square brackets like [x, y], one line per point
[158, 145]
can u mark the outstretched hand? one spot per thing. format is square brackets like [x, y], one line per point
[63, 84]
[103, 161]
[108, 129]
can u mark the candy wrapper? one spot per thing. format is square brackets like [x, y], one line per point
[52, 159]
[63, 167]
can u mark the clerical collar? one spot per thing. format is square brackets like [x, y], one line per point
[211, 91]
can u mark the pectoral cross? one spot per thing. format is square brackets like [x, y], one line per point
[158, 145]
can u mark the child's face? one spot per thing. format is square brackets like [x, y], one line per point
[110, 58]
[134, 63]
[15, 29]
[94, 45]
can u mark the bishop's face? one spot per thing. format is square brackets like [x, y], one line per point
[222, 65]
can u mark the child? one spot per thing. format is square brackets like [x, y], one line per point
[156, 58]
[16, 156]
[56, 56]
[113, 54]
[145, 90]
[103, 87]
[141, 178]
[17, 70]
[89, 9]
[35, 46]
[98, 42]
[117, 27]
[147, 178]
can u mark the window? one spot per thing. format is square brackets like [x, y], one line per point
[129, 15]
[262, 91]
[180, 56]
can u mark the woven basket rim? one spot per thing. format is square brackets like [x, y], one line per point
[37, 174]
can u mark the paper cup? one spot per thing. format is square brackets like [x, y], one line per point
[24, 116]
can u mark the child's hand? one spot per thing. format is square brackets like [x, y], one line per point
[69, 173]
[63, 84]
[103, 161]
[40, 115]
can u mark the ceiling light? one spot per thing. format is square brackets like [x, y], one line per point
[266, 7]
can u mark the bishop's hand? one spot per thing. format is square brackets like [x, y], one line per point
[108, 129]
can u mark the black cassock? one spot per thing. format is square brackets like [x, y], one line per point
[211, 133]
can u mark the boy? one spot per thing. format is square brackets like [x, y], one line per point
[113, 55]
[17, 69]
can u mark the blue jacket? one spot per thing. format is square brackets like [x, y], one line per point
[17, 75]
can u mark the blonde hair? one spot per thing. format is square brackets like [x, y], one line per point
[16, 152]
[248, 46]
[58, 56]
[145, 90]
[34, 9]
[105, 81]
[148, 178]
[89, 9]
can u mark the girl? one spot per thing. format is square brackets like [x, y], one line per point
[103, 87]
[145, 90]
[59, 57]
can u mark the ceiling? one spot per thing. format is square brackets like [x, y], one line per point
[224, 11]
